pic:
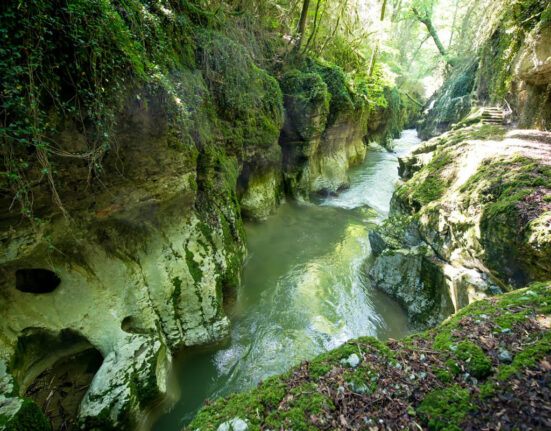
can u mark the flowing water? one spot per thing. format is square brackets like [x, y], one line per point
[303, 290]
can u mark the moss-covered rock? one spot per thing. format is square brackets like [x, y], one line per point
[451, 377]
[473, 210]
[322, 136]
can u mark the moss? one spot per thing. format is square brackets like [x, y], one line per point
[443, 375]
[322, 364]
[430, 183]
[193, 267]
[145, 388]
[376, 345]
[444, 409]
[527, 358]
[476, 362]
[342, 97]
[307, 86]
[502, 189]
[28, 417]
[175, 297]
[297, 414]
[272, 391]
[361, 379]
[454, 367]
[248, 100]
[487, 390]
[261, 400]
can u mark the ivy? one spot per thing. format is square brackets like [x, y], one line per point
[73, 62]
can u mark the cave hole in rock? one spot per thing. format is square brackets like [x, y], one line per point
[55, 369]
[133, 325]
[59, 390]
[36, 280]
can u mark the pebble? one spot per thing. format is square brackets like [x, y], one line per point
[236, 424]
[495, 289]
[353, 360]
[505, 356]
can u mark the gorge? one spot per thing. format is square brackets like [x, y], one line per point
[207, 199]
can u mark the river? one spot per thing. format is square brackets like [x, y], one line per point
[303, 290]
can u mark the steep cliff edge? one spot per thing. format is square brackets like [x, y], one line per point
[472, 219]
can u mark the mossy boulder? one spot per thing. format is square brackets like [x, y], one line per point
[476, 208]
[324, 128]
[452, 377]
[306, 104]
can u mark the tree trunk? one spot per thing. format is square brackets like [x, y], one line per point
[373, 60]
[383, 11]
[452, 32]
[432, 31]
[374, 55]
[315, 29]
[302, 22]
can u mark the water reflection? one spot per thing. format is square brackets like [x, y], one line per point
[302, 291]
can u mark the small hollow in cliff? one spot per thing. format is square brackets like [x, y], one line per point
[59, 390]
[55, 369]
[36, 280]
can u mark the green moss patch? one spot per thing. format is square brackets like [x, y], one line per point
[476, 362]
[446, 408]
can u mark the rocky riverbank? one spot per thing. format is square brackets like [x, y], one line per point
[486, 365]
[472, 219]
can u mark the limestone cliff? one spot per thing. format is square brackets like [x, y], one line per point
[472, 219]
[135, 237]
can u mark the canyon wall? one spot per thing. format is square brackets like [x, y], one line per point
[132, 248]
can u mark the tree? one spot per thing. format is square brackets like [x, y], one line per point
[302, 22]
[426, 20]
[376, 50]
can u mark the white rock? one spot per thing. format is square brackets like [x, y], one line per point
[236, 424]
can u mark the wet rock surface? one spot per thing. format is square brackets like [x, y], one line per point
[467, 223]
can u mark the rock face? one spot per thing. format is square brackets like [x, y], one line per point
[137, 265]
[472, 219]
[532, 85]
[511, 71]
[138, 277]
[320, 164]
[323, 132]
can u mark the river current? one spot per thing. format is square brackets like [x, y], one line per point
[303, 290]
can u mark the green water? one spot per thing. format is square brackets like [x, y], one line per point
[303, 292]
